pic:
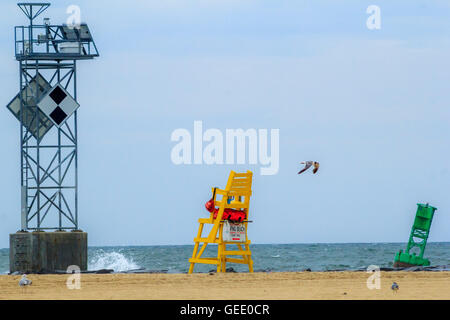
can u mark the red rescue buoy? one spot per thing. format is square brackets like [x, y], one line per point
[210, 204]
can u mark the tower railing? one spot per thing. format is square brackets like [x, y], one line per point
[54, 41]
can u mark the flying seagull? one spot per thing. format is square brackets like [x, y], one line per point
[395, 287]
[308, 164]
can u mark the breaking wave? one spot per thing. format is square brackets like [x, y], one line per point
[111, 260]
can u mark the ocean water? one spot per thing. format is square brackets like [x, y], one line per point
[266, 257]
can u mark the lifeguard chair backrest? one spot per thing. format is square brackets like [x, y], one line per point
[239, 186]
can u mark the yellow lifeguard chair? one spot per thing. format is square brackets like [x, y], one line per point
[239, 187]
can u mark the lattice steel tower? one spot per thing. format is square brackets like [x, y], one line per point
[46, 107]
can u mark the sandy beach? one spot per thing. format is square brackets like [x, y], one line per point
[277, 285]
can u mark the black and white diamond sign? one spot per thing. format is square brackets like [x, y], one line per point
[58, 105]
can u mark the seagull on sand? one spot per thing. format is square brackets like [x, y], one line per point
[308, 164]
[395, 287]
[24, 282]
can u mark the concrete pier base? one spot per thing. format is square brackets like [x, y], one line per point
[47, 252]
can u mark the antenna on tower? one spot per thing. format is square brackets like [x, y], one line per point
[32, 10]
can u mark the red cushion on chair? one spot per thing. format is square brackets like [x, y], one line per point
[231, 214]
[228, 214]
[237, 216]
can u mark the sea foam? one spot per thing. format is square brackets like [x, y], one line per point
[111, 260]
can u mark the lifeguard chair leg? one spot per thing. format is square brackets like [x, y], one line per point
[223, 258]
[246, 257]
[249, 257]
[219, 253]
[197, 243]
[219, 258]
[198, 255]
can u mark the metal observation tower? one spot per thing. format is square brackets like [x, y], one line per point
[46, 107]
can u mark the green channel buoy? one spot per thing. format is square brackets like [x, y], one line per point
[418, 238]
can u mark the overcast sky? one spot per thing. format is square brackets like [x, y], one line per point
[372, 106]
